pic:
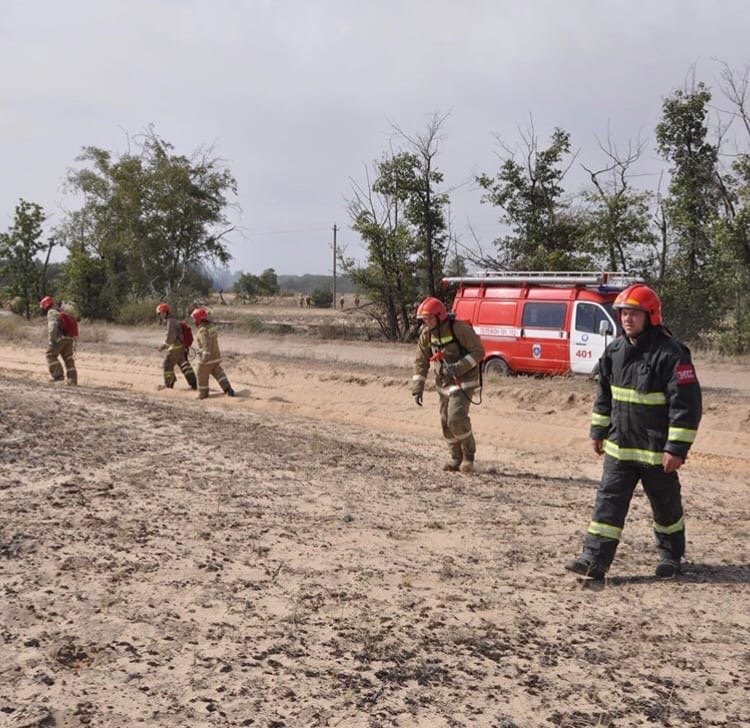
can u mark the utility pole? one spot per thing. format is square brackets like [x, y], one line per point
[333, 302]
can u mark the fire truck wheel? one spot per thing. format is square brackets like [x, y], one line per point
[497, 367]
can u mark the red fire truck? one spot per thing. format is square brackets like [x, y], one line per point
[540, 322]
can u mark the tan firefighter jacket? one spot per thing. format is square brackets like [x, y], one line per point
[54, 330]
[173, 340]
[460, 346]
[53, 326]
[207, 341]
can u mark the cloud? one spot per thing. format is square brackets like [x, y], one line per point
[298, 96]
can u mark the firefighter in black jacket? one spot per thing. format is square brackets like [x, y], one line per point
[644, 421]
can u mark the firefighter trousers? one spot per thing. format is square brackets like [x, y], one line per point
[613, 497]
[178, 357]
[65, 349]
[215, 370]
[456, 424]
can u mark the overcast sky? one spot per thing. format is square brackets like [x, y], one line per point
[298, 96]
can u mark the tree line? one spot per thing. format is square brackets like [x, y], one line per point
[152, 222]
[689, 237]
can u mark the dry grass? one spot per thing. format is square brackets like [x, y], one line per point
[16, 329]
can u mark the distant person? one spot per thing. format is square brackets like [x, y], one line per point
[308, 301]
[356, 300]
[456, 351]
[301, 300]
[176, 349]
[209, 356]
[645, 419]
[61, 343]
[341, 303]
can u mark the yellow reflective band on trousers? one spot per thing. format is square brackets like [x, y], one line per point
[632, 396]
[674, 528]
[598, 420]
[681, 434]
[604, 529]
[649, 457]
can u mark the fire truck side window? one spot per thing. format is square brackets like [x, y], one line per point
[588, 316]
[544, 315]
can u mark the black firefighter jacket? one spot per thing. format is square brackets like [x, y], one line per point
[649, 398]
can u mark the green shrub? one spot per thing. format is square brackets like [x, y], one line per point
[16, 329]
[133, 313]
[17, 305]
[249, 324]
[322, 298]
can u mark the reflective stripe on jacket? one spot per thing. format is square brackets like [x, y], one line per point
[459, 345]
[649, 398]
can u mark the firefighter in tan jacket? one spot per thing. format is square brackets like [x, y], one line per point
[456, 352]
[176, 350]
[59, 345]
[209, 356]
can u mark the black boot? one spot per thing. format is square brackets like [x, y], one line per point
[585, 567]
[668, 568]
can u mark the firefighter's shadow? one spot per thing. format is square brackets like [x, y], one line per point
[693, 573]
[528, 475]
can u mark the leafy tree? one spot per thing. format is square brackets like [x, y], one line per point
[150, 218]
[19, 248]
[248, 286]
[322, 297]
[694, 199]
[401, 217]
[87, 282]
[269, 282]
[456, 266]
[387, 277]
[731, 233]
[694, 288]
[410, 179]
[546, 233]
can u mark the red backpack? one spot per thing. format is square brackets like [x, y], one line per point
[68, 324]
[187, 334]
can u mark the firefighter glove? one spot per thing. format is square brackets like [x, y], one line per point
[418, 398]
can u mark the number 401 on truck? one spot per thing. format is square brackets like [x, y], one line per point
[540, 322]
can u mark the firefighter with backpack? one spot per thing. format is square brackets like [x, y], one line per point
[209, 356]
[176, 348]
[456, 353]
[62, 329]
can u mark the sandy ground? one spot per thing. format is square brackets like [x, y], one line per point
[295, 556]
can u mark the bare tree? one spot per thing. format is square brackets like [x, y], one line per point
[619, 219]
[424, 204]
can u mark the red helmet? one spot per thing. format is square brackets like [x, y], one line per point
[163, 308]
[47, 303]
[643, 298]
[198, 315]
[432, 307]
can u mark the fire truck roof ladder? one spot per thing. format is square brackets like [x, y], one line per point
[610, 279]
